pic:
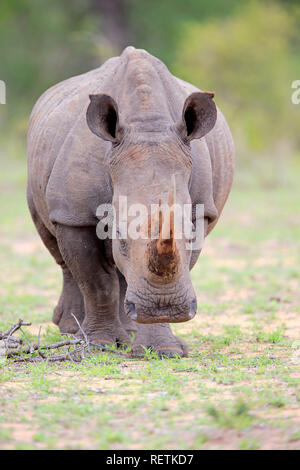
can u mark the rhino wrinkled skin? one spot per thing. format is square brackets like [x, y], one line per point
[127, 128]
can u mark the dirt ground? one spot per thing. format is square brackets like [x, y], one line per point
[239, 387]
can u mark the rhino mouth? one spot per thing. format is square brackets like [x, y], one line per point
[140, 313]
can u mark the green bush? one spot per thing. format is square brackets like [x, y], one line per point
[250, 60]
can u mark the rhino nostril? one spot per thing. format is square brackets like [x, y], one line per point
[193, 309]
[130, 310]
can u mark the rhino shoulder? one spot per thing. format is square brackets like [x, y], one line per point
[62, 150]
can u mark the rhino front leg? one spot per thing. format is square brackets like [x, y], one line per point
[98, 282]
[71, 300]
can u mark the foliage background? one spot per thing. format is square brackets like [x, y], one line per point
[239, 388]
[247, 51]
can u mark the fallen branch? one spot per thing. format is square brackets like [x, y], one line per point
[14, 348]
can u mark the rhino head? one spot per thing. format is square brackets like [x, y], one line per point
[151, 163]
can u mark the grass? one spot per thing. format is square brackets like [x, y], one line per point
[240, 386]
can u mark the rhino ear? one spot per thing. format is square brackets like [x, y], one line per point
[198, 116]
[103, 118]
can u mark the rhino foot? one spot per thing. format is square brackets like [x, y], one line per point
[106, 336]
[160, 339]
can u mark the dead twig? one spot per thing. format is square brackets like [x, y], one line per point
[43, 356]
[84, 334]
[7, 335]
[13, 329]
[60, 344]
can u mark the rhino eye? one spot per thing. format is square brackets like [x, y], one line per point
[123, 246]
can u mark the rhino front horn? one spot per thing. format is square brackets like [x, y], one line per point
[163, 255]
[166, 239]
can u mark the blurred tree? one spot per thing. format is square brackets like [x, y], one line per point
[157, 25]
[250, 59]
[42, 43]
[115, 29]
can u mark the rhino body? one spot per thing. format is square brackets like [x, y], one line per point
[137, 108]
